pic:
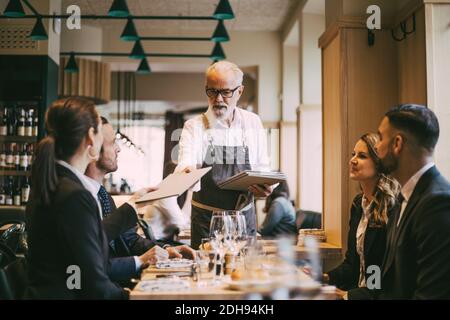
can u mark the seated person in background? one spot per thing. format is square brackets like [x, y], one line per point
[369, 214]
[129, 252]
[165, 216]
[280, 218]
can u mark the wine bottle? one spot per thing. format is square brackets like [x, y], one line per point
[24, 158]
[3, 157]
[3, 125]
[30, 155]
[11, 122]
[9, 156]
[25, 191]
[9, 192]
[2, 193]
[21, 123]
[17, 195]
[35, 124]
[29, 123]
[16, 157]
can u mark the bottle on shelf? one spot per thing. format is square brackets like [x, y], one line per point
[3, 156]
[35, 123]
[30, 148]
[16, 157]
[2, 193]
[11, 122]
[9, 156]
[3, 123]
[24, 158]
[17, 194]
[9, 192]
[25, 190]
[21, 123]
[29, 123]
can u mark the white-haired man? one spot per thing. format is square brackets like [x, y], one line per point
[229, 139]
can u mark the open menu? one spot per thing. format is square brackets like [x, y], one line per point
[174, 185]
[245, 179]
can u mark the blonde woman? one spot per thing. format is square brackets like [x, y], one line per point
[369, 214]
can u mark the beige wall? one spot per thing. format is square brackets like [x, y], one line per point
[87, 39]
[291, 94]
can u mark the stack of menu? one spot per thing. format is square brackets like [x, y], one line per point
[245, 179]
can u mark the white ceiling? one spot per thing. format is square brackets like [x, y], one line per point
[250, 15]
[315, 6]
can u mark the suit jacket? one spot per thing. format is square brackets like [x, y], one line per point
[126, 242]
[417, 262]
[66, 233]
[346, 275]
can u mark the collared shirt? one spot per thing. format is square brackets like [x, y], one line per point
[409, 187]
[360, 237]
[246, 129]
[87, 183]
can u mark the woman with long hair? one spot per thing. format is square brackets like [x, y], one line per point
[280, 214]
[370, 212]
[68, 249]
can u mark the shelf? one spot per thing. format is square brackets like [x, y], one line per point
[12, 208]
[18, 139]
[14, 173]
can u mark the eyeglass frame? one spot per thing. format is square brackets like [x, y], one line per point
[216, 92]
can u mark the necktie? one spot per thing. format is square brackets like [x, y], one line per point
[104, 201]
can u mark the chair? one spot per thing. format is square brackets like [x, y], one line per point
[308, 219]
[14, 236]
[13, 280]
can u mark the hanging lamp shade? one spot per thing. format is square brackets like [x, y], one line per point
[71, 66]
[38, 32]
[129, 33]
[217, 53]
[14, 9]
[119, 8]
[138, 51]
[220, 34]
[223, 11]
[143, 68]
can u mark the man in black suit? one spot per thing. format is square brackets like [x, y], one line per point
[129, 252]
[417, 260]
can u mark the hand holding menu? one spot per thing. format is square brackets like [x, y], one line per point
[245, 179]
[174, 184]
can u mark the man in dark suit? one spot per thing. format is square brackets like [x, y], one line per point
[417, 260]
[129, 252]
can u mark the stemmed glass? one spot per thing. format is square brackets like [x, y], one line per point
[220, 230]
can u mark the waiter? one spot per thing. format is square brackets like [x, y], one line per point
[228, 139]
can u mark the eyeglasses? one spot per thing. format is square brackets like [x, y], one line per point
[225, 93]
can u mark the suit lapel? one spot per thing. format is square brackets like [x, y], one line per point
[394, 231]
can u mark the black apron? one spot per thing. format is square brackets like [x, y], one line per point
[226, 161]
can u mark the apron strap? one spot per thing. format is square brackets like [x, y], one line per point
[210, 208]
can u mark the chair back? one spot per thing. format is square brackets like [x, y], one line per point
[13, 280]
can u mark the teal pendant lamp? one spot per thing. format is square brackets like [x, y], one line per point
[138, 51]
[129, 33]
[119, 8]
[223, 11]
[38, 32]
[220, 34]
[14, 9]
[143, 68]
[217, 53]
[71, 65]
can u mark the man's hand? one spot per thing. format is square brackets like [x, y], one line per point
[182, 251]
[260, 191]
[341, 294]
[138, 194]
[189, 169]
[153, 255]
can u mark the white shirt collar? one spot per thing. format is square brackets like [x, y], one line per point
[95, 185]
[409, 186]
[216, 123]
[85, 181]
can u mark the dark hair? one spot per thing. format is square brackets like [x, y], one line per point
[104, 120]
[282, 190]
[418, 121]
[67, 122]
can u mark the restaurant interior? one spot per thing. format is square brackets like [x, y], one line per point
[314, 72]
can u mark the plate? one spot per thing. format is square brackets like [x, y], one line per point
[250, 285]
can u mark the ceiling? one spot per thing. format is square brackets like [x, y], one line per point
[250, 15]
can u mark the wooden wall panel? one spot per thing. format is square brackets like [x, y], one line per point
[412, 70]
[332, 139]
